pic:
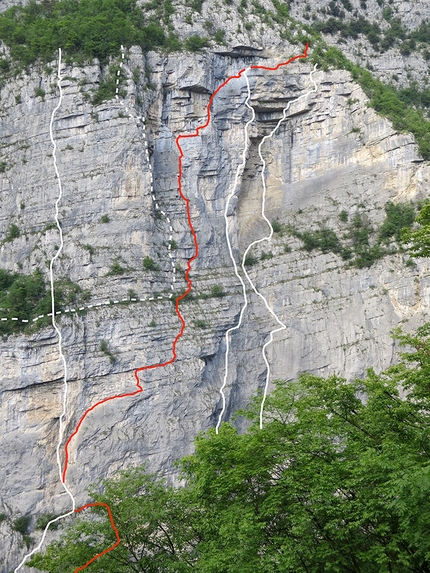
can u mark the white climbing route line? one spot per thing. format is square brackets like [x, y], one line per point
[60, 433]
[157, 207]
[239, 172]
[282, 326]
[94, 305]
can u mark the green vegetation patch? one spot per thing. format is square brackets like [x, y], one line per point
[196, 43]
[104, 348]
[195, 5]
[217, 291]
[161, 11]
[281, 11]
[116, 269]
[385, 99]
[324, 239]
[107, 90]
[381, 39]
[362, 244]
[250, 260]
[23, 297]
[26, 297]
[398, 217]
[351, 29]
[414, 96]
[12, 233]
[85, 29]
[419, 238]
[43, 520]
[335, 480]
[277, 227]
[21, 524]
[149, 264]
[68, 293]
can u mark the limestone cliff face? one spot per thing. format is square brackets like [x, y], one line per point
[390, 65]
[338, 319]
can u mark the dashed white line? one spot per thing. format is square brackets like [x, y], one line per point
[53, 313]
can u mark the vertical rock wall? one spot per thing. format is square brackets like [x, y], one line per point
[338, 319]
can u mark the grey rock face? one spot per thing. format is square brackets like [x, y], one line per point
[251, 28]
[338, 319]
[5, 4]
[389, 66]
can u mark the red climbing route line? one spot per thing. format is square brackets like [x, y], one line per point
[66, 448]
[118, 539]
[179, 298]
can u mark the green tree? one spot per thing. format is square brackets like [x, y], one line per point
[398, 217]
[331, 483]
[152, 522]
[12, 233]
[86, 29]
[337, 480]
[419, 239]
[149, 264]
[196, 43]
[27, 297]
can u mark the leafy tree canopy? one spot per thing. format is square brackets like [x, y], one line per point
[336, 481]
[27, 297]
[85, 29]
[23, 297]
[419, 239]
[386, 100]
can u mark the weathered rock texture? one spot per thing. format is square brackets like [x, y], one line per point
[338, 319]
[390, 66]
[249, 26]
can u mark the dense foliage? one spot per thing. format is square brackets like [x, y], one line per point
[351, 29]
[385, 99]
[399, 216]
[414, 96]
[336, 481]
[85, 29]
[362, 244]
[381, 38]
[27, 297]
[24, 297]
[419, 239]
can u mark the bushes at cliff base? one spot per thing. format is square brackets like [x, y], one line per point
[336, 480]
